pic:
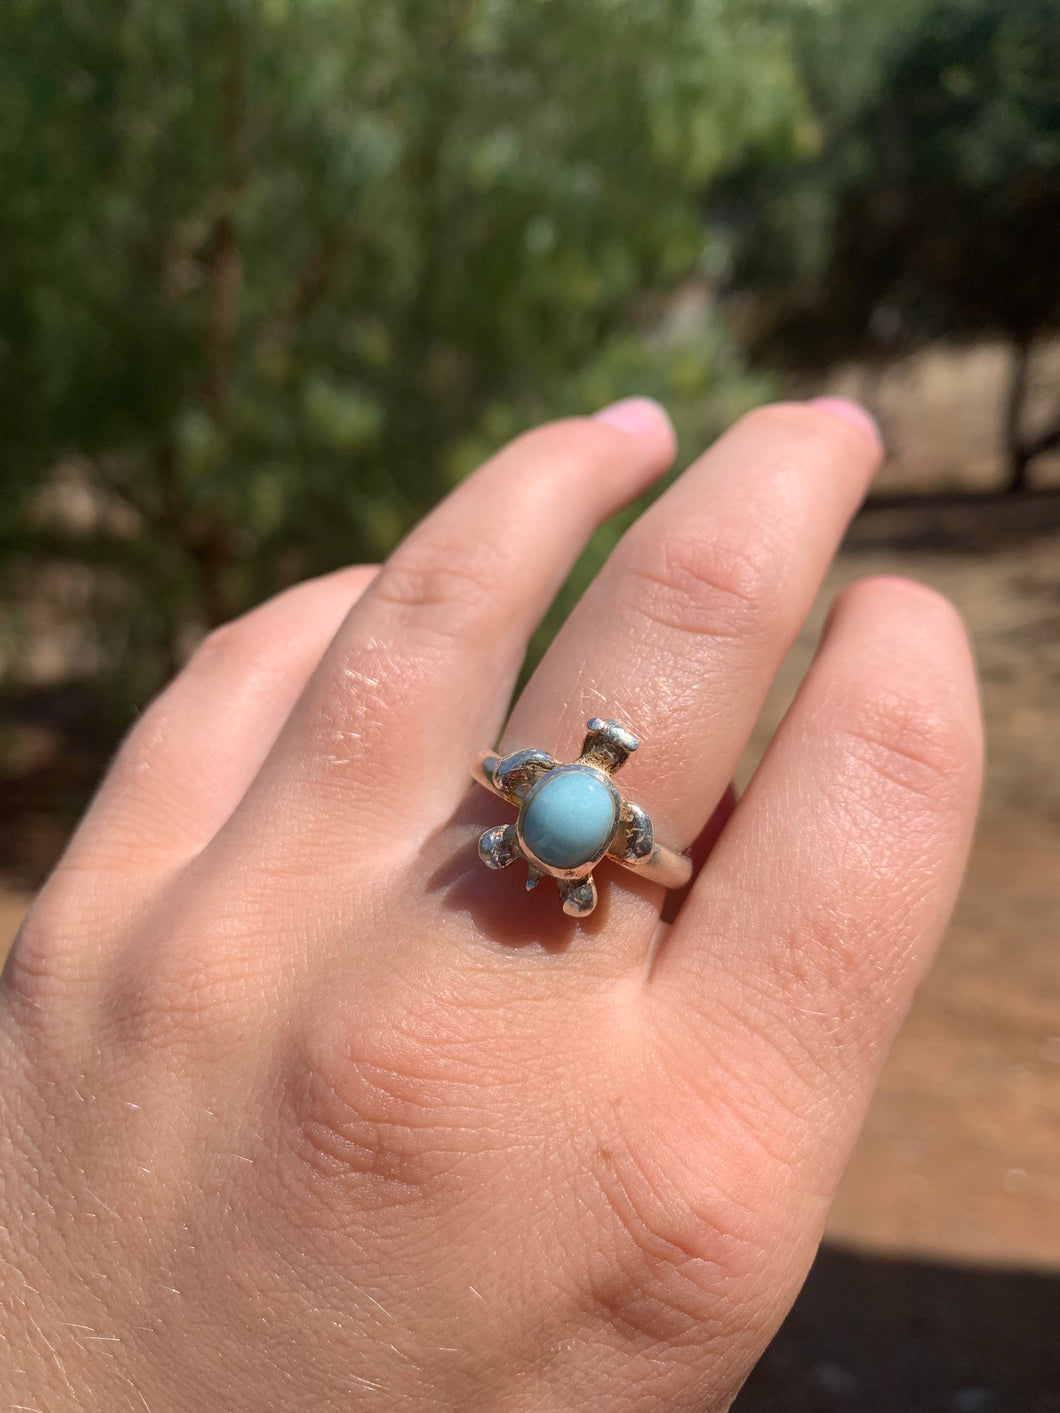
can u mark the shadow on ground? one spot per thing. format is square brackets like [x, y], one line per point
[874, 1334]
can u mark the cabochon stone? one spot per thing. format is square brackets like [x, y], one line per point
[569, 817]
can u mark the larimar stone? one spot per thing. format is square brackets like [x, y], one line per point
[569, 816]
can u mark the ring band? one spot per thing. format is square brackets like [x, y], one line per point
[571, 817]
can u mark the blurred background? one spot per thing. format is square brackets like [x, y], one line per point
[275, 274]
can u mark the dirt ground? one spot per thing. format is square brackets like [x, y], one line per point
[938, 1289]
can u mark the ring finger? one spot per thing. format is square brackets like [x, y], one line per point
[684, 628]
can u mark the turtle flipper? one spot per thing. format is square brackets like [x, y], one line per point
[578, 895]
[499, 846]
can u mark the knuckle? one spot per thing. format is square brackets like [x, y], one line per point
[51, 960]
[48, 986]
[367, 1101]
[186, 1021]
[232, 648]
[222, 644]
[197, 996]
[364, 1122]
[718, 583]
[677, 1259]
[35, 984]
[899, 745]
[436, 586]
[144, 747]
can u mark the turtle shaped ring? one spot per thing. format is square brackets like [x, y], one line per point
[571, 817]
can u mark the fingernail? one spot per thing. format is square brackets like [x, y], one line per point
[851, 412]
[640, 416]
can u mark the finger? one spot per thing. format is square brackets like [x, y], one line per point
[797, 953]
[191, 756]
[378, 749]
[683, 630]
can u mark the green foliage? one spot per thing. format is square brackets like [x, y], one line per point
[932, 207]
[277, 271]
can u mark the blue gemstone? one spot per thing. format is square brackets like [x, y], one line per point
[569, 817]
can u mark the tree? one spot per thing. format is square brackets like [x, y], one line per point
[933, 205]
[276, 273]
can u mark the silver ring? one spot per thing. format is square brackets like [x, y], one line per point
[571, 817]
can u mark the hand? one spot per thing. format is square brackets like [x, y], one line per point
[305, 1109]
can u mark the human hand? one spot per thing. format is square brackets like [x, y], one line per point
[305, 1109]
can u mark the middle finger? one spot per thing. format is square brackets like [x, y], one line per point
[684, 628]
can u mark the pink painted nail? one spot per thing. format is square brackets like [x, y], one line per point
[640, 416]
[851, 412]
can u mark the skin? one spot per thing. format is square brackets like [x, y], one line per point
[304, 1109]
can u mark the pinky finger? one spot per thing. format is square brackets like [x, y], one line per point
[821, 906]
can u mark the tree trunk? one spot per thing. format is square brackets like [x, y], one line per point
[1017, 452]
[226, 259]
[214, 556]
